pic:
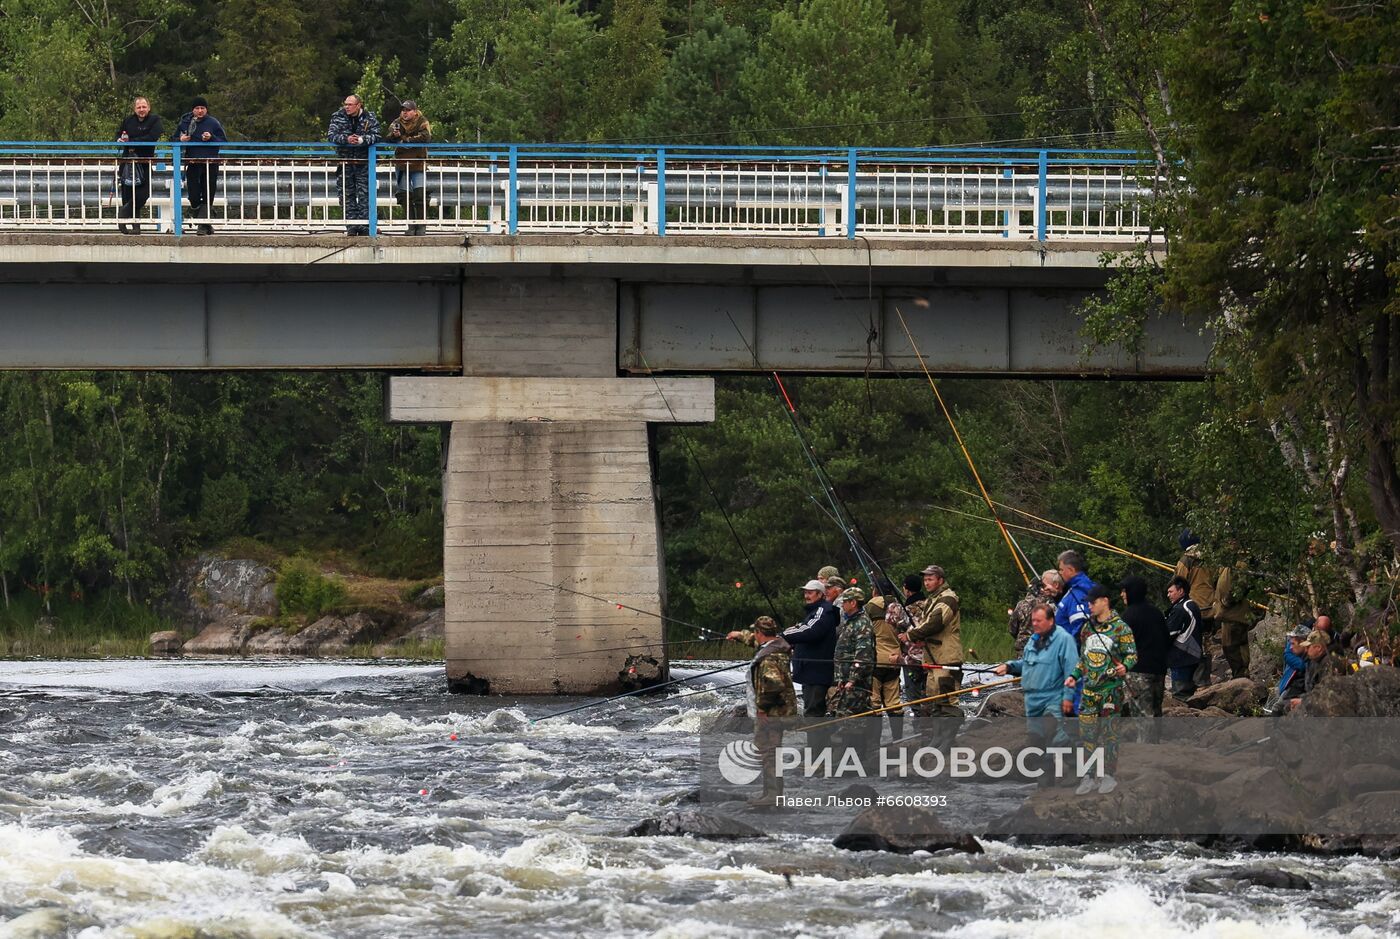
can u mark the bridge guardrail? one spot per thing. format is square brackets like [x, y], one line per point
[522, 188]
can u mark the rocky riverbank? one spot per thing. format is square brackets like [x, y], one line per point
[1322, 779]
[229, 607]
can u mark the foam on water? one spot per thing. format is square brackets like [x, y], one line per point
[1129, 911]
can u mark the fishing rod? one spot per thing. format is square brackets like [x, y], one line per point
[905, 704]
[711, 635]
[854, 546]
[1025, 528]
[1094, 542]
[628, 694]
[977, 477]
[719, 503]
[849, 528]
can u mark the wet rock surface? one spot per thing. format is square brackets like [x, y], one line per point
[903, 830]
[697, 823]
[212, 588]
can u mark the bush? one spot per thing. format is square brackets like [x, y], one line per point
[302, 588]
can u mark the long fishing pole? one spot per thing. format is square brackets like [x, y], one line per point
[943, 406]
[719, 503]
[905, 704]
[628, 694]
[1096, 542]
[1025, 528]
[854, 546]
[847, 522]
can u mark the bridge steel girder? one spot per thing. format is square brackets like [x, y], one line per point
[983, 307]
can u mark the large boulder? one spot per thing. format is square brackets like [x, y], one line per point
[1266, 648]
[228, 636]
[1141, 806]
[1224, 880]
[167, 642]
[1236, 696]
[1370, 692]
[212, 588]
[903, 830]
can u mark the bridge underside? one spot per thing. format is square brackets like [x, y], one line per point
[681, 304]
[533, 352]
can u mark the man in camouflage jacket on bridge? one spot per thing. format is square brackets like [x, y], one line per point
[353, 130]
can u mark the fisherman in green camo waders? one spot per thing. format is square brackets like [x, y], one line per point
[855, 657]
[1107, 653]
[938, 624]
[772, 701]
[855, 664]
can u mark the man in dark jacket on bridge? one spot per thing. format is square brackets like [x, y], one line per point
[353, 130]
[200, 164]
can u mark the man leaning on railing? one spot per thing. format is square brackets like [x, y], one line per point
[411, 164]
[353, 130]
[201, 164]
[134, 169]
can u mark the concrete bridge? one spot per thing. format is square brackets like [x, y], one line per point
[548, 353]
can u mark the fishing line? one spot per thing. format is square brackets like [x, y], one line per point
[704, 477]
[712, 635]
[628, 694]
[905, 704]
[1094, 542]
[942, 405]
[870, 298]
[847, 522]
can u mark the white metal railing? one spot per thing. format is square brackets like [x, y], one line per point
[519, 189]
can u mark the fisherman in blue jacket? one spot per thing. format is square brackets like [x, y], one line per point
[1047, 659]
[813, 642]
[1073, 610]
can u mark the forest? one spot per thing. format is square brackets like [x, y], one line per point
[1273, 132]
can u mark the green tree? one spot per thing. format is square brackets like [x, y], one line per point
[267, 71]
[698, 99]
[519, 72]
[833, 72]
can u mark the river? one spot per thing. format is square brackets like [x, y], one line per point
[224, 799]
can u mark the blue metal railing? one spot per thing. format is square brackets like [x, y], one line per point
[1037, 195]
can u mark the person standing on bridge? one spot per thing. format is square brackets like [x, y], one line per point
[353, 130]
[201, 163]
[411, 164]
[134, 170]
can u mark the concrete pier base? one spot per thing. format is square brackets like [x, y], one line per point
[550, 524]
[535, 504]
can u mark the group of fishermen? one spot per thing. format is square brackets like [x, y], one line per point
[1076, 656]
[854, 656]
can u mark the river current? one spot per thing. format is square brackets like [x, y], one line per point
[225, 799]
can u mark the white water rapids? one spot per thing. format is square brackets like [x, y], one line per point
[183, 799]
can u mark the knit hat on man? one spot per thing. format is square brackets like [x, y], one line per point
[199, 102]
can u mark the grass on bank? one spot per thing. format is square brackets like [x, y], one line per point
[100, 627]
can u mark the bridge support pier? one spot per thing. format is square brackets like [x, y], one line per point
[548, 485]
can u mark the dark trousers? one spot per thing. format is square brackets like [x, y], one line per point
[201, 186]
[133, 197]
[354, 192]
[1145, 693]
[1209, 637]
[814, 711]
[1183, 680]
